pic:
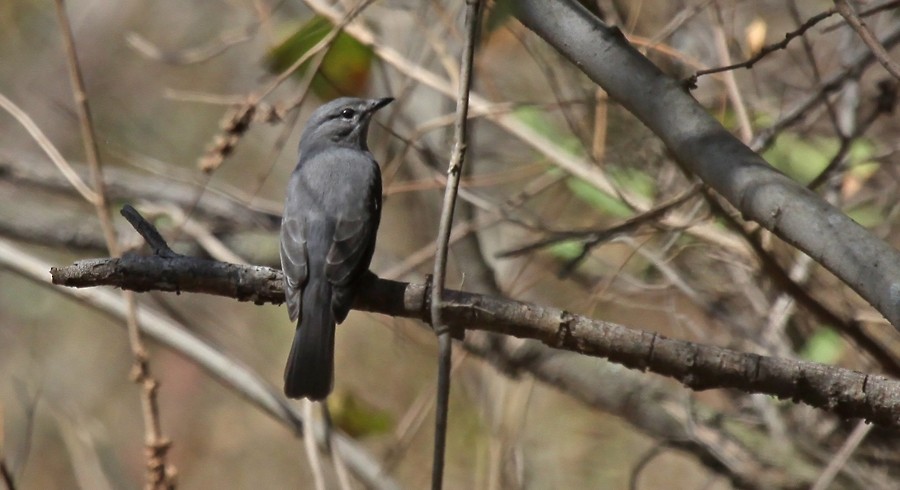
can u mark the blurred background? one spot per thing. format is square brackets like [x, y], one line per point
[166, 81]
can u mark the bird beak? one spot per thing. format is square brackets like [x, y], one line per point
[376, 104]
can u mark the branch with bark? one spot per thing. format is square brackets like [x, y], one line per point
[842, 391]
[704, 147]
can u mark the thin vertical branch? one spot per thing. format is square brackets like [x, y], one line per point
[457, 157]
[88, 137]
[745, 128]
[158, 476]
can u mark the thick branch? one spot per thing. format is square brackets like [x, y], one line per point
[862, 261]
[842, 391]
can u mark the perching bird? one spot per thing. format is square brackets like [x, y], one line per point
[331, 215]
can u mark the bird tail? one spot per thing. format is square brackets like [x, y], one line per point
[310, 367]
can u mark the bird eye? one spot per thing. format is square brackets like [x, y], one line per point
[348, 113]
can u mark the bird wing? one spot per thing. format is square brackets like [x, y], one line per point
[351, 239]
[294, 263]
[352, 246]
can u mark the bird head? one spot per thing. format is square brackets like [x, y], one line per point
[343, 121]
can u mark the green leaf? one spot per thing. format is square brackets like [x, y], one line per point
[345, 69]
[864, 170]
[536, 119]
[566, 250]
[357, 418]
[867, 215]
[801, 159]
[598, 199]
[634, 180]
[861, 151]
[861, 164]
[825, 346]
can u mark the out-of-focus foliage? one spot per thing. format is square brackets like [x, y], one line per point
[604, 426]
[345, 68]
[357, 418]
[825, 346]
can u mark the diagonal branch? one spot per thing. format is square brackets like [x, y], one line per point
[698, 141]
[881, 54]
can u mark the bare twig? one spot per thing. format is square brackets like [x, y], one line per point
[766, 50]
[203, 236]
[156, 242]
[734, 93]
[89, 138]
[594, 237]
[852, 70]
[445, 341]
[158, 475]
[678, 21]
[840, 458]
[193, 55]
[48, 147]
[876, 9]
[881, 54]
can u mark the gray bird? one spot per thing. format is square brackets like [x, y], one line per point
[331, 215]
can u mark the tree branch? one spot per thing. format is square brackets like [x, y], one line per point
[232, 373]
[700, 143]
[849, 14]
[457, 158]
[841, 391]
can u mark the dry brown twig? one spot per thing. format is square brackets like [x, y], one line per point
[159, 475]
[765, 51]
[853, 19]
[50, 149]
[193, 55]
[745, 128]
